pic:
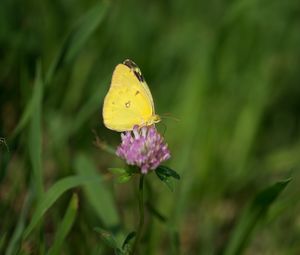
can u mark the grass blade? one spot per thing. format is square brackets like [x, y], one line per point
[87, 110]
[54, 193]
[98, 195]
[31, 105]
[70, 48]
[65, 226]
[251, 216]
[2, 240]
[35, 134]
[78, 37]
[17, 235]
[26, 114]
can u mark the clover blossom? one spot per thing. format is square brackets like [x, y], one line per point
[143, 147]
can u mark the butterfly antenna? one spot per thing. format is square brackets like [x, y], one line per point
[169, 116]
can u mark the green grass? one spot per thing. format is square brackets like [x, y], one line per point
[228, 70]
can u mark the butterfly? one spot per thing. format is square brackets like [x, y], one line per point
[129, 101]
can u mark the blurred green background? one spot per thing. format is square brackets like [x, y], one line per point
[228, 70]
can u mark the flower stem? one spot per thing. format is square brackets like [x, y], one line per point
[141, 214]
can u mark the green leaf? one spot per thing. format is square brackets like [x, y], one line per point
[124, 178]
[128, 239]
[64, 227]
[78, 37]
[169, 182]
[166, 179]
[168, 172]
[54, 193]
[252, 215]
[99, 196]
[123, 174]
[118, 171]
[107, 238]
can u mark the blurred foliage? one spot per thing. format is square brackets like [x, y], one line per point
[228, 70]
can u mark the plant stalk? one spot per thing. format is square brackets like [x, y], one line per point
[141, 215]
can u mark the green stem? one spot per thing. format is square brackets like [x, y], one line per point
[141, 214]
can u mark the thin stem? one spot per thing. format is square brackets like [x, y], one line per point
[141, 214]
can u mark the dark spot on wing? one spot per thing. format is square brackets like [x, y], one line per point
[137, 92]
[139, 76]
[127, 104]
[130, 64]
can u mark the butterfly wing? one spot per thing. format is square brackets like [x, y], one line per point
[127, 102]
[137, 72]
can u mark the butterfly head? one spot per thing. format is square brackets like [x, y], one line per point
[151, 121]
[155, 119]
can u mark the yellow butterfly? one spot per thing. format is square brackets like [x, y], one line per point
[129, 101]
